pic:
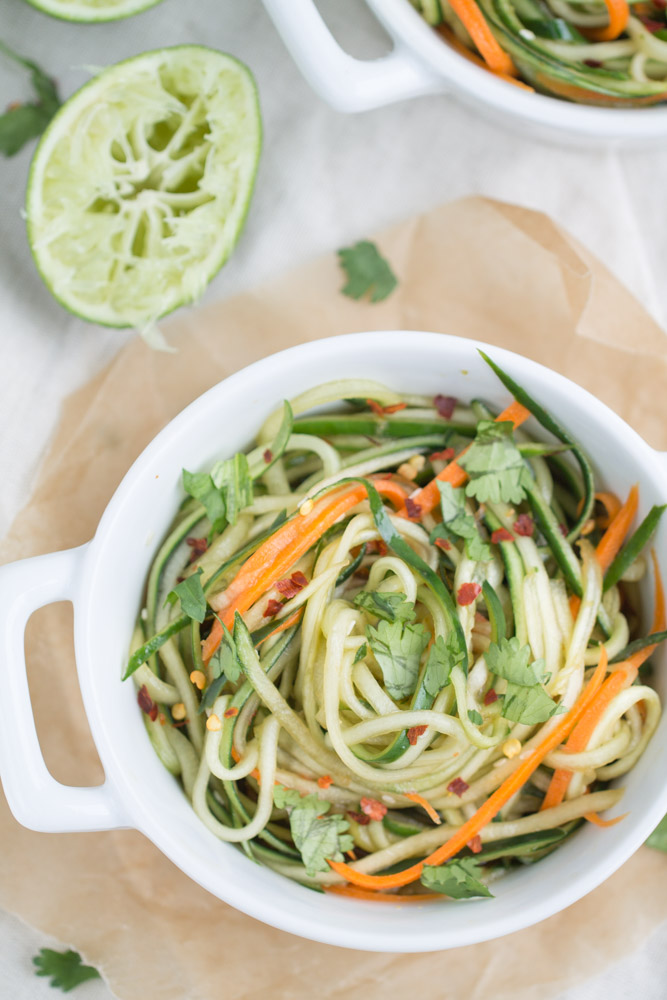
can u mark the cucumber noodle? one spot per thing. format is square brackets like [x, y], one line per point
[316, 711]
[546, 40]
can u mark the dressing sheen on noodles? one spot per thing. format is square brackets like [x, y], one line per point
[394, 648]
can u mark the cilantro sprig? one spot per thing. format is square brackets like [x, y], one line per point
[525, 699]
[457, 523]
[23, 122]
[65, 968]
[389, 607]
[458, 879]
[317, 836]
[495, 465]
[367, 271]
[398, 648]
[191, 595]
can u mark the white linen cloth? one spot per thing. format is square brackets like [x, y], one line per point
[325, 179]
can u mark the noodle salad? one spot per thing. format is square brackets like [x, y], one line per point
[391, 650]
[607, 52]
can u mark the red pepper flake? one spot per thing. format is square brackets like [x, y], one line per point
[468, 593]
[490, 697]
[414, 733]
[375, 407]
[377, 546]
[146, 703]
[231, 712]
[563, 530]
[359, 818]
[475, 844]
[593, 63]
[363, 572]
[445, 405]
[660, 4]
[651, 25]
[268, 456]
[198, 546]
[394, 408]
[502, 535]
[447, 453]
[458, 786]
[444, 544]
[272, 608]
[524, 525]
[291, 587]
[325, 781]
[413, 509]
[373, 809]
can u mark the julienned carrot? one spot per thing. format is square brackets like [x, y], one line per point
[597, 821]
[281, 626]
[352, 892]
[472, 57]
[613, 538]
[490, 808]
[477, 27]
[426, 806]
[611, 504]
[288, 543]
[619, 14]
[622, 677]
[425, 499]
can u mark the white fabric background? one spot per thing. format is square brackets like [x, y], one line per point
[324, 180]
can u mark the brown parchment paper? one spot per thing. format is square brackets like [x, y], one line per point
[476, 268]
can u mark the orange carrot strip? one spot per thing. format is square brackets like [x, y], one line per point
[611, 504]
[281, 626]
[619, 13]
[472, 57]
[429, 496]
[594, 818]
[490, 808]
[478, 28]
[614, 536]
[352, 892]
[426, 806]
[279, 552]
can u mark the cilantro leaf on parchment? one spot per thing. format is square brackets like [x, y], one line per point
[65, 968]
[367, 271]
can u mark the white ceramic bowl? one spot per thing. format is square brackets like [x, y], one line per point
[104, 580]
[422, 63]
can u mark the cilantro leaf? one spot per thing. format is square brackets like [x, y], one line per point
[232, 477]
[456, 521]
[494, 464]
[658, 838]
[200, 486]
[360, 653]
[457, 879]
[475, 717]
[191, 595]
[398, 649]
[389, 607]
[509, 659]
[316, 836]
[442, 656]
[22, 122]
[367, 271]
[226, 659]
[529, 705]
[65, 968]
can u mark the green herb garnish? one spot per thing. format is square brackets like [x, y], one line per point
[367, 271]
[23, 122]
[65, 968]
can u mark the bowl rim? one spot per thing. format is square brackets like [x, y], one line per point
[405, 24]
[331, 929]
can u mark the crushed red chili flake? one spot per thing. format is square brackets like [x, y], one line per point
[445, 405]
[372, 808]
[660, 4]
[442, 456]
[272, 608]
[375, 407]
[468, 593]
[490, 697]
[394, 407]
[291, 587]
[363, 572]
[179, 724]
[444, 544]
[593, 63]
[458, 786]
[501, 535]
[413, 509]
[414, 733]
[563, 530]
[198, 546]
[524, 525]
[650, 24]
[325, 781]
[268, 456]
[230, 713]
[475, 844]
[359, 818]
[146, 703]
[377, 545]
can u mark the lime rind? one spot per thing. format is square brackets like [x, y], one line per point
[92, 11]
[141, 184]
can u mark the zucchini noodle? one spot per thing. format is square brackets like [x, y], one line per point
[552, 45]
[387, 660]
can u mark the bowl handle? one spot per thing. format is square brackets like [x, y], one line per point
[36, 799]
[346, 83]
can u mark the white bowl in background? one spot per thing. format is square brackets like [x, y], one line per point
[104, 580]
[421, 63]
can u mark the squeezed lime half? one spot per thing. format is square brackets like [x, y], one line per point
[92, 11]
[140, 186]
